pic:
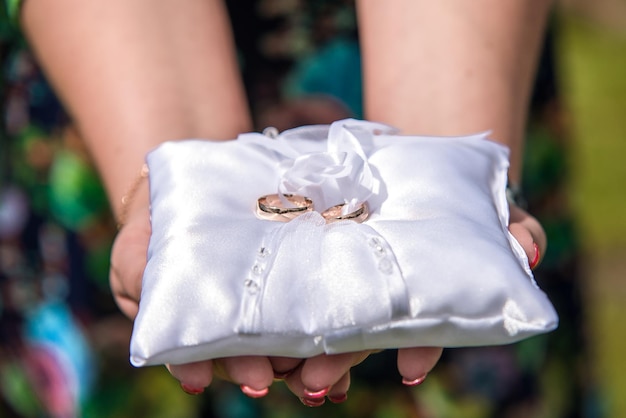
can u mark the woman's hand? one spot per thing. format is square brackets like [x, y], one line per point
[128, 260]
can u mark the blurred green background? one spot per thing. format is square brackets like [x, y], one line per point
[54, 289]
[593, 61]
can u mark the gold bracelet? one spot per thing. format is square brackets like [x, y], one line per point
[130, 195]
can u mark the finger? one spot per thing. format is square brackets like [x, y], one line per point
[295, 385]
[318, 374]
[321, 372]
[414, 364]
[254, 374]
[525, 239]
[284, 366]
[339, 392]
[529, 233]
[193, 377]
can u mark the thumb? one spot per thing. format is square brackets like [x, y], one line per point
[529, 233]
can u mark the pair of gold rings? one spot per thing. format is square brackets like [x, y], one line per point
[270, 207]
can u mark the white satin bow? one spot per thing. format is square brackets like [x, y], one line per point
[339, 175]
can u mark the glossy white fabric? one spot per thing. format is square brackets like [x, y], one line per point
[433, 265]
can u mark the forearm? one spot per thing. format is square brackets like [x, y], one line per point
[136, 73]
[450, 67]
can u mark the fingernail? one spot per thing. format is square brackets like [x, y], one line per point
[338, 398]
[414, 382]
[191, 390]
[254, 393]
[535, 260]
[316, 394]
[312, 402]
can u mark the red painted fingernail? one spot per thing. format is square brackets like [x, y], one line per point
[535, 260]
[338, 398]
[254, 393]
[312, 402]
[191, 390]
[414, 382]
[316, 394]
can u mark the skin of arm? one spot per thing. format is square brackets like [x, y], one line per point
[135, 74]
[451, 67]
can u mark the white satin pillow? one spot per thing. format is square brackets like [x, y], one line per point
[433, 265]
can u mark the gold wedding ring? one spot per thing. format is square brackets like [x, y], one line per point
[270, 207]
[333, 214]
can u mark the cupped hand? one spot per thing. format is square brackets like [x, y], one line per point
[128, 260]
[313, 379]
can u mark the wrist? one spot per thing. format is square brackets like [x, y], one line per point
[515, 196]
